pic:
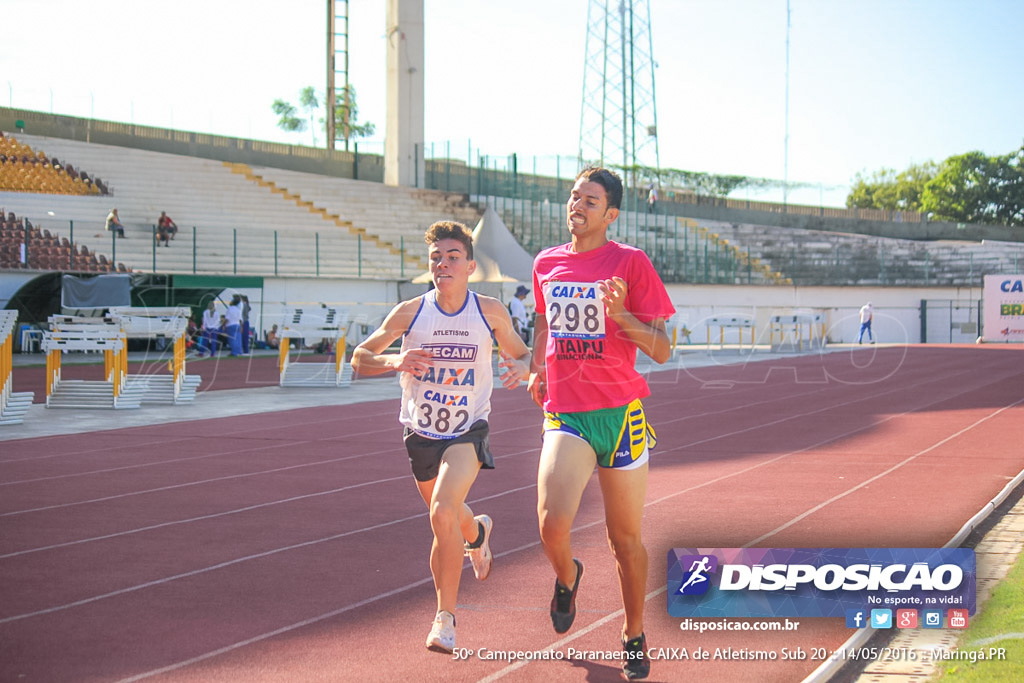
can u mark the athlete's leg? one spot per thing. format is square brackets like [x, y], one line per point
[451, 520]
[624, 492]
[566, 463]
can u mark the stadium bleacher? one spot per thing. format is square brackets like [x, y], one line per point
[344, 228]
[250, 220]
[24, 169]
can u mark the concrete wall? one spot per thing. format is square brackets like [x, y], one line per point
[897, 316]
[897, 310]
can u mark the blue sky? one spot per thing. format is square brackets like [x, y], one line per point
[872, 83]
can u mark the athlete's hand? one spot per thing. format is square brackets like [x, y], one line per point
[613, 295]
[538, 387]
[413, 361]
[516, 371]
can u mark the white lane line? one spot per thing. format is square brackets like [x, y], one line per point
[228, 563]
[202, 518]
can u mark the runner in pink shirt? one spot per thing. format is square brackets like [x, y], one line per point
[597, 303]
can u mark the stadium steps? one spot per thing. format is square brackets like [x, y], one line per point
[222, 205]
[671, 244]
[411, 260]
[810, 257]
[765, 273]
[398, 215]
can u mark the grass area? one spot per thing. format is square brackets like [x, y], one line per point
[999, 624]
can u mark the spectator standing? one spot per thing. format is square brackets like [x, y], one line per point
[517, 309]
[652, 199]
[211, 323]
[114, 223]
[234, 325]
[867, 312]
[246, 330]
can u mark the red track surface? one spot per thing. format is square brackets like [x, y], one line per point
[293, 546]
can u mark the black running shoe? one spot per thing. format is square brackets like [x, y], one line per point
[635, 665]
[563, 604]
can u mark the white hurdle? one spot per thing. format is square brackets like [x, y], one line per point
[738, 321]
[790, 327]
[161, 323]
[69, 333]
[13, 405]
[314, 323]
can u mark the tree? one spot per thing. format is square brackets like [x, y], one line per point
[288, 121]
[974, 188]
[967, 188]
[310, 102]
[892, 191]
[345, 117]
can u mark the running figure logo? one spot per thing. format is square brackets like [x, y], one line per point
[696, 580]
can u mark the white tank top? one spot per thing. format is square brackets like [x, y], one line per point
[456, 391]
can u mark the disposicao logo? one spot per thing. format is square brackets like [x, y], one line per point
[696, 579]
[817, 582]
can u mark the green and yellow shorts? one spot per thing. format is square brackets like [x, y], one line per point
[621, 437]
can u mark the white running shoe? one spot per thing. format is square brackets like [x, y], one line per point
[442, 633]
[481, 557]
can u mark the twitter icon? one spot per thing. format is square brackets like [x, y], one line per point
[881, 618]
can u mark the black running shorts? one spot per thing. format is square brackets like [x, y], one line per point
[425, 454]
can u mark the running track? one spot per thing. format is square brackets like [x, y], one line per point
[292, 546]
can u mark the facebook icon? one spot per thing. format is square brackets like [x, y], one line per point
[856, 618]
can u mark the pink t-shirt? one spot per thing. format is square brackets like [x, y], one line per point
[590, 362]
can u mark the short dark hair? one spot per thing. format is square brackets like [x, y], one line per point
[607, 179]
[450, 230]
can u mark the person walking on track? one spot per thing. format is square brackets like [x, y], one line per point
[867, 312]
[445, 372]
[597, 302]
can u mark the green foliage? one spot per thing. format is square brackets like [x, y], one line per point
[968, 188]
[974, 188]
[892, 191]
[345, 117]
[310, 101]
[288, 120]
[998, 625]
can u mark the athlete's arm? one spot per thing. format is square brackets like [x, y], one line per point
[538, 377]
[651, 338]
[369, 357]
[514, 353]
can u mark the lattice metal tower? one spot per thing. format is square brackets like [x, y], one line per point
[337, 65]
[618, 120]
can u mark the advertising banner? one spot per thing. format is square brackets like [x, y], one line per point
[818, 582]
[1004, 308]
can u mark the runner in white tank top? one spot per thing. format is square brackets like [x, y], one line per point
[455, 391]
[445, 372]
